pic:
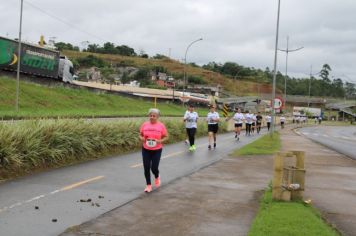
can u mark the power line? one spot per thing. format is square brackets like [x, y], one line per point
[61, 20]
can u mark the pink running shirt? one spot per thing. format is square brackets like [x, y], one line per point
[152, 132]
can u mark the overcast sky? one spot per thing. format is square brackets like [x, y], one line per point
[232, 30]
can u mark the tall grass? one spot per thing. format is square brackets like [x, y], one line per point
[30, 145]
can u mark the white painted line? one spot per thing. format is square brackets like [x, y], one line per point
[54, 192]
[66, 188]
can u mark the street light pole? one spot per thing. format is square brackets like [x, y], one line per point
[285, 79]
[185, 64]
[275, 71]
[19, 62]
[311, 76]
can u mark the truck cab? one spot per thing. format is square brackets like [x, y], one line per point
[65, 70]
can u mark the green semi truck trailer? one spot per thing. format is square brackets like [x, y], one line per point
[35, 60]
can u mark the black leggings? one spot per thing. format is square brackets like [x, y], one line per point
[248, 128]
[191, 135]
[151, 160]
[258, 127]
[268, 125]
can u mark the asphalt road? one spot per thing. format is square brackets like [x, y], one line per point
[340, 138]
[108, 183]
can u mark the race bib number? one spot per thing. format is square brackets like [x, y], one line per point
[151, 143]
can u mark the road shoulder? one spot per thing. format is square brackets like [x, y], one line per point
[222, 198]
[330, 181]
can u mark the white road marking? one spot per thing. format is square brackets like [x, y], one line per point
[66, 188]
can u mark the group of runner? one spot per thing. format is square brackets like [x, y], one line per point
[153, 134]
[251, 121]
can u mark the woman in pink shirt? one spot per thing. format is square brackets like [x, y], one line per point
[152, 134]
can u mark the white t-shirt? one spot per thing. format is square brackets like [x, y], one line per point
[268, 119]
[282, 119]
[248, 118]
[191, 119]
[211, 117]
[238, 118]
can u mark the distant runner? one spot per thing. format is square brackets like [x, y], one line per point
[152, 134]
[186, 140]
[213, 127]
[191, 118]
[258, 122]
[238, 120]
[253, 123]
[268, 121]
[248, 119]
[282, 119]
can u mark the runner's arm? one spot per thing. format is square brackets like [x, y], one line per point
[163, 139]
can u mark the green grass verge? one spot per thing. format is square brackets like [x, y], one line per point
[265, 145]
[37, 101]
[27, 146]
[288, 218]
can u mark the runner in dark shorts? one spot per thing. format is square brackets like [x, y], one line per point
[213, 127]
[258, 122]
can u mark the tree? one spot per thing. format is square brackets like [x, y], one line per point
[125, 78]
[324, 73]
[337, 89]
[160, 56]
[350, 90]
[93, 47]
[109, 48]
[143, 76]
[125, 50]
[65, 46]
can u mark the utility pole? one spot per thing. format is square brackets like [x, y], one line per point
[275, 71]
[311, 76]
[286, 75]
[19, 61]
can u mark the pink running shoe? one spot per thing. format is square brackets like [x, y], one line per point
[148, 188]
[158, 181]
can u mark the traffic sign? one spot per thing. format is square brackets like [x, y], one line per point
[278, 103]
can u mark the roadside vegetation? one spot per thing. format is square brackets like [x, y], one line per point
[265, 145]
[288, 218]
[28, 146]
[37, 101]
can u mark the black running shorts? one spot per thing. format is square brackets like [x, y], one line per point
[238, 125]
[213, 128]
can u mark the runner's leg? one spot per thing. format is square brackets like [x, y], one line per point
[146, 159]
[156, 157]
